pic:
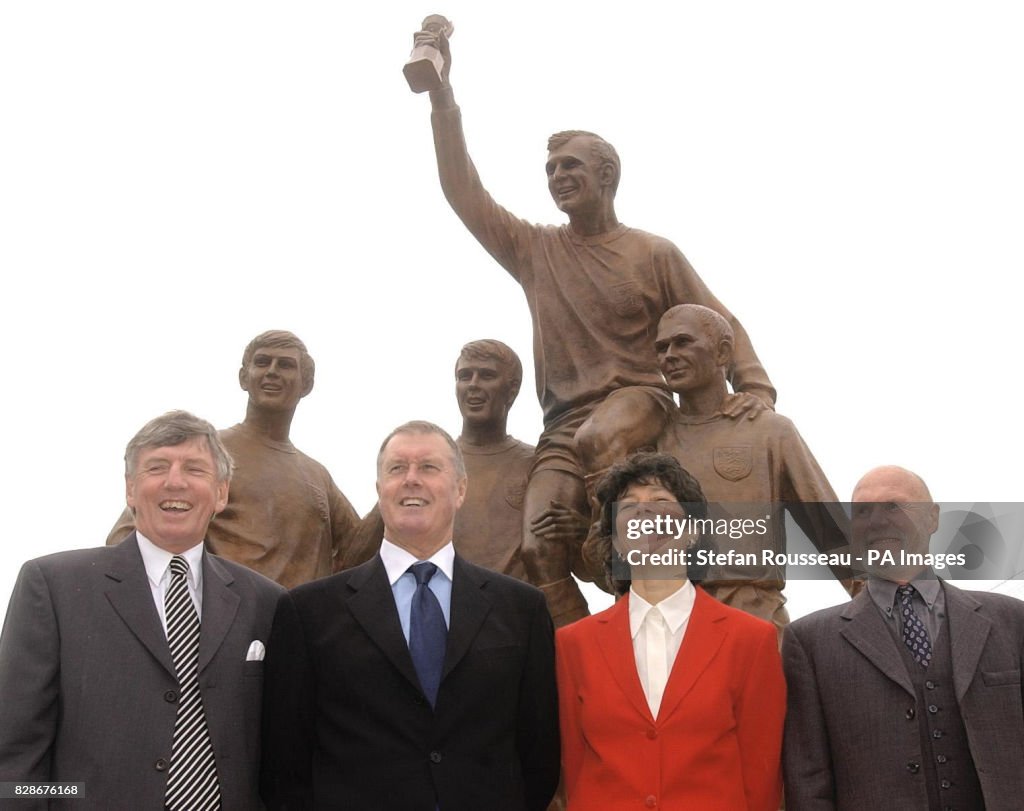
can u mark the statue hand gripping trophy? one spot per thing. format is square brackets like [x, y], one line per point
[425, 69]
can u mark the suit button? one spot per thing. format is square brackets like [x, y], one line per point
[945, 784]
[937, 734]
[170, 696]
[930, 684]
[651, 801]
[652, 734]
[932, 709]
[910, 714]
[160, 765]
[941, 758]
[435, 757]
[913, 768]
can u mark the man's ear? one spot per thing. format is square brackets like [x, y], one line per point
[607, 174]
[932, 519]
[243, 379]
[513, 392]
[723, 353]
[307, 385]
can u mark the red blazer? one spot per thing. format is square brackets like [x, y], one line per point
[717, 741]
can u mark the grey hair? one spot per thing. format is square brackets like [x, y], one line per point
[176, 428]
[424, 427]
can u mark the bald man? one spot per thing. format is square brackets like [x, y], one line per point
[909, 696]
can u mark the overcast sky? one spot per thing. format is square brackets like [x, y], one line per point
[175, 178]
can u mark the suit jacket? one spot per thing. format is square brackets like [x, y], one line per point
[851, 728]
[347, 726]
[88, 689]
[716, 741]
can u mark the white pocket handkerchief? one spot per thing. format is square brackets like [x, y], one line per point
[256, 652]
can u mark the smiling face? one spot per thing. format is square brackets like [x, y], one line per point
[649, 499]
[484, 390]
[893, 511]
[577, 179]
[419, 492]
[273, 378]
[174, 492]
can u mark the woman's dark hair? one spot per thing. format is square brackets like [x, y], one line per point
[643, 468]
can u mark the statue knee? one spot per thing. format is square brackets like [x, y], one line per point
[598, 448]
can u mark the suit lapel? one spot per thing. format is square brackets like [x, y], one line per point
[373, 607]
[968, 632]
[469, 609]
[220, 605]
[705, 633]
[128, 591]
[865, 630]
[616, 646]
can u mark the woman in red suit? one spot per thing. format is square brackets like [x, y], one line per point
[668, 699]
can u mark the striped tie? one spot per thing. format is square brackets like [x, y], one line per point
[192, 776]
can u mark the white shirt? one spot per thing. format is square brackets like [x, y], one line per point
[403, 583]
[675, 609]
[158, 571]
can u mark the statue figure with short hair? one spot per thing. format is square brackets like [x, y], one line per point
[595, 288]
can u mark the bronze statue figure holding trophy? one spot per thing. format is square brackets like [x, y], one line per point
[596, 289]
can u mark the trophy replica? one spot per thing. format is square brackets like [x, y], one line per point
[423, 70]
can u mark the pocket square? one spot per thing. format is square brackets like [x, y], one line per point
[256, 651]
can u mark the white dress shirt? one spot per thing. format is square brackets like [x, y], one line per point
[654, 665]
[403, 583]
[158, 571]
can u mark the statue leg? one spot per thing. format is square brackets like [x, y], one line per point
[628, 420]
[548, 562]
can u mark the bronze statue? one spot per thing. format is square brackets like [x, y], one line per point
[285, 517]
[488, 526]
[745, 467]
[595, 288]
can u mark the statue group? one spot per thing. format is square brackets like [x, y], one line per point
[632, 351]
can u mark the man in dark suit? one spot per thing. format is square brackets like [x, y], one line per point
[121, 665]
[909, 696]
[415, 681]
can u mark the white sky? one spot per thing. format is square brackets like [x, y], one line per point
[175, 178]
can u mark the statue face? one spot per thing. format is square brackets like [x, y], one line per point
[273, 378]
[483, 390]
[575, 178]
[687, 357]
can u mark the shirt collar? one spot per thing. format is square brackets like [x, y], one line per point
[883, 592]
[157, 562]
[397, 560]
[675, 608]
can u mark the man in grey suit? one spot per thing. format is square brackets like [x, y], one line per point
[909, 696]
[122, 665]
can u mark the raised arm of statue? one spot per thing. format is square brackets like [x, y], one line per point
[502, 234]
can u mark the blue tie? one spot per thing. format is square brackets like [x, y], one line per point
[428, 635]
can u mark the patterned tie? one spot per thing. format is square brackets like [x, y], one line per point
[192, 777]
[915, 636]
[428, 635]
